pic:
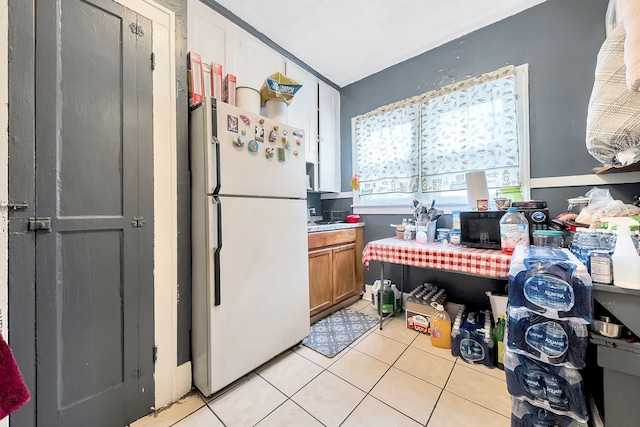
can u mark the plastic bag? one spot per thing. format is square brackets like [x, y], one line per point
[601, 204]
[279, 86]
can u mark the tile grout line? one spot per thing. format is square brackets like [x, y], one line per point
[435, 405]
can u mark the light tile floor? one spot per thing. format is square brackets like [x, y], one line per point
[389, 377]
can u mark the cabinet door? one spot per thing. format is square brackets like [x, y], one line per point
[255, 61]
[320, 280]
[344, 272]
[359, 267]
[303, 111]
[329, 138]
[212, 36]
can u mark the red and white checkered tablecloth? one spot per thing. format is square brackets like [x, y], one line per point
[480, 262]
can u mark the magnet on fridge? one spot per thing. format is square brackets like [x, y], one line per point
[243, 132]
[253, 146]
[232, 123]
[269, 152]
[276, 127]
[298, 142]
[281, 154]
[287, 145]
[295, 153]
[261, 121]
[284, 132]
[259, 134]
[238, 141]
[245, 119]
[273, 135]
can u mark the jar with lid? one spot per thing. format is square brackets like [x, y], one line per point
[576, 204]
[512, 192]
[548, 238]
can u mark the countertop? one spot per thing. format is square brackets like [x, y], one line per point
[312, 228]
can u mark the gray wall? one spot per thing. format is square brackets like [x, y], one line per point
[560, 40]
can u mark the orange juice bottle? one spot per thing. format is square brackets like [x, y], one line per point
[440, 327]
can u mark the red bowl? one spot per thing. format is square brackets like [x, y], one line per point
[353, 218]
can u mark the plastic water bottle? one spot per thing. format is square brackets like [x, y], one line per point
[576, 243]
[590, 242]
[514, 231]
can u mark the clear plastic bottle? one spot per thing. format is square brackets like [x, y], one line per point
[590, 242]
[440, 327]
[576, 243]
[514, 231]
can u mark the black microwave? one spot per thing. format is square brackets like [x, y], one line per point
[480, 229]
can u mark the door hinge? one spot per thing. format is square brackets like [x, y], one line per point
[136, 29]
[138, 222]
[153, 61]
[155, 353]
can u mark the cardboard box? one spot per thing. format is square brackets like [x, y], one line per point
[195, 77]
[216, 81]
[230, 89]
[418, 321]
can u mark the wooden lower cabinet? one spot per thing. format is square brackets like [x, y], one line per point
[335, 268]
[320, 274]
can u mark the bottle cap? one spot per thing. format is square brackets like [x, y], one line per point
[512, 209]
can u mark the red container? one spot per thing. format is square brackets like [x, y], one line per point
[353, 218]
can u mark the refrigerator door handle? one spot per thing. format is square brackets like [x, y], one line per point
[214, 186]
[215, 228]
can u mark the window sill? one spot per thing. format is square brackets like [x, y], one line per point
[401, 209]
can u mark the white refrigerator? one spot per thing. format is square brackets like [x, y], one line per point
[249, 242]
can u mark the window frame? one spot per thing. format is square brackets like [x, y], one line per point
[402, 205]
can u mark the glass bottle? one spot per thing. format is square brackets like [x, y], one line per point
[498, 339]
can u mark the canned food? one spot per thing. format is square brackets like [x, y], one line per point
[443, 235]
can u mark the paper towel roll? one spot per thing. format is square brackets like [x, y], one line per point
[476, 188]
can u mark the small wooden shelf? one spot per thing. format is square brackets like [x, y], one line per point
[635, 167]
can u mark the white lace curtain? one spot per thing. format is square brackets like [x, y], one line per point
[434, 138]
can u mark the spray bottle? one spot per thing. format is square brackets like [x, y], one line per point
[625, 259]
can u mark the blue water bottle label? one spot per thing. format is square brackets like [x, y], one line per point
[548, 338]
[549, 292]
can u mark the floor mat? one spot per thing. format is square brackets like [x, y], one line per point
[332, 334]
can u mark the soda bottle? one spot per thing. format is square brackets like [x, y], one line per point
[498, 338]
[387, 300]
[514, 231]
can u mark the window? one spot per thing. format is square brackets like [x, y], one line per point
[435, 138]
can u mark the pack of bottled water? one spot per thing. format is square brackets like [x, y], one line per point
[549, 307]
[524, 414]
[471, 337]
[551, 282]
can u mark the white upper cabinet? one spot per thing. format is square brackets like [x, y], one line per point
[329, 138]
[314, 109]
[303, 111]
[254, 61]
[212, 36]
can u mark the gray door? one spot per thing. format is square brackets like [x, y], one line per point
[94, 180]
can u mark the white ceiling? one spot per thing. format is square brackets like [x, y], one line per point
[347, 40]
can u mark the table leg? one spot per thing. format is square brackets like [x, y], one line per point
[379, 296]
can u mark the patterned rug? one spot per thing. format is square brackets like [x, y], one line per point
[332, 334]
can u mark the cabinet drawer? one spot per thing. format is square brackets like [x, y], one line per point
[330, 238]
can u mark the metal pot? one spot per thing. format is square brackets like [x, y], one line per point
[604, 327]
